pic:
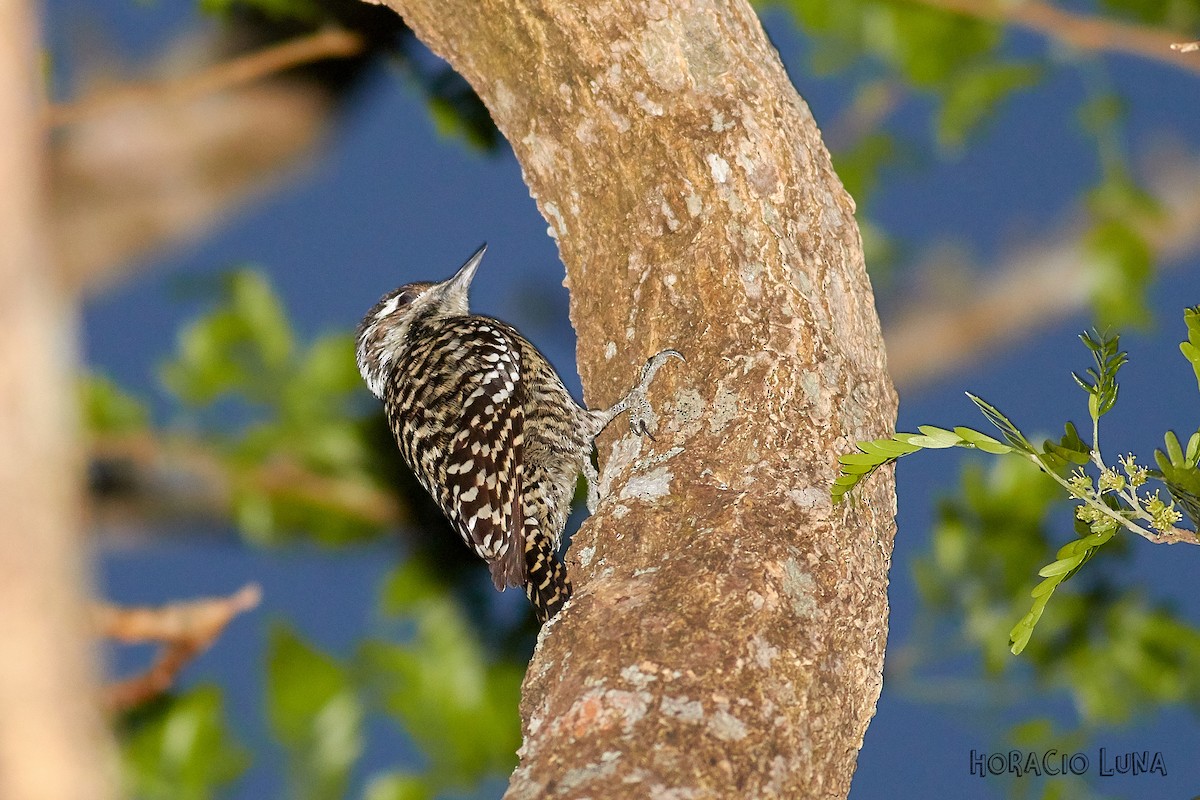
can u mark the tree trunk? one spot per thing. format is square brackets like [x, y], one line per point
[53, 741]
[727, 633]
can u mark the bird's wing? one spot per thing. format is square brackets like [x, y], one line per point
[484, 459]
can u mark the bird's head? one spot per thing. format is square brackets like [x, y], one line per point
[384, 331]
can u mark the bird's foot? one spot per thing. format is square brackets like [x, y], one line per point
[642, 419]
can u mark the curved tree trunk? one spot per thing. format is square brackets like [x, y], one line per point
[726, 638]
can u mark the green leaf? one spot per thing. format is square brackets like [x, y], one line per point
[982, 441]
[1102, 389]
[867, 459]
[457, 112]
[1023, 631]
[398, 786]
[243, 346]
[1073, 443]
[1119, 196]
[1070, 449]
[929, 46]
[860, 166]
[314, 710]
[1011, 433]
[309, 445]
[975, 93]
[1100, 113]
[458, 705]
[1122, 265]
[937, 437]
[109, 409]
[407, 588]
[178, 748]
[1181, 474]
[856, 467]
[1191, 348]
[294, 11]
[1069, 559]
[1060, 567]
[322, 381]
[887, 447]
[1174, 451]
[1121, 259]
[1045, 587]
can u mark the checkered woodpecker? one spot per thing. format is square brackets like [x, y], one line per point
[487, 426]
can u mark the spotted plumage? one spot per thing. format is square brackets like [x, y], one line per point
[487, 427]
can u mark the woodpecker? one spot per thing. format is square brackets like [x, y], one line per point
[488, 428]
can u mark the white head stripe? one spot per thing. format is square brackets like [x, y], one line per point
[389, 308]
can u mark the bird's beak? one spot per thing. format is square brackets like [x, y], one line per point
[457, 287]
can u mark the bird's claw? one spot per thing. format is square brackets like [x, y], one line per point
[642, 419]
[654, 362]
[641, 428]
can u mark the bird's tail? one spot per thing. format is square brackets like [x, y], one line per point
[546, 581]
[508, 569]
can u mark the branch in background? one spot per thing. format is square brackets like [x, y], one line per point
[930, 339]
[130, 178]
[185, 629]
[331, 43]
[1077, 30]
[146, 476]
[1185, 47]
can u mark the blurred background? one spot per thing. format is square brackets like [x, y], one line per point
[235, 183]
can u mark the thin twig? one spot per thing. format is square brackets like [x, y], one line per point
[1185, 47]
[329, 43]
[185, 629]
[1077, 30]
[1174, 536]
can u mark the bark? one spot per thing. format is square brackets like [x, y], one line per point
[53, 741]
[726, 638]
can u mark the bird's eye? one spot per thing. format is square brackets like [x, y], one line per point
[396, 303]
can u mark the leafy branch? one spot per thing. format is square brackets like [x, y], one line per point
[305, 454]
[1107, 498]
